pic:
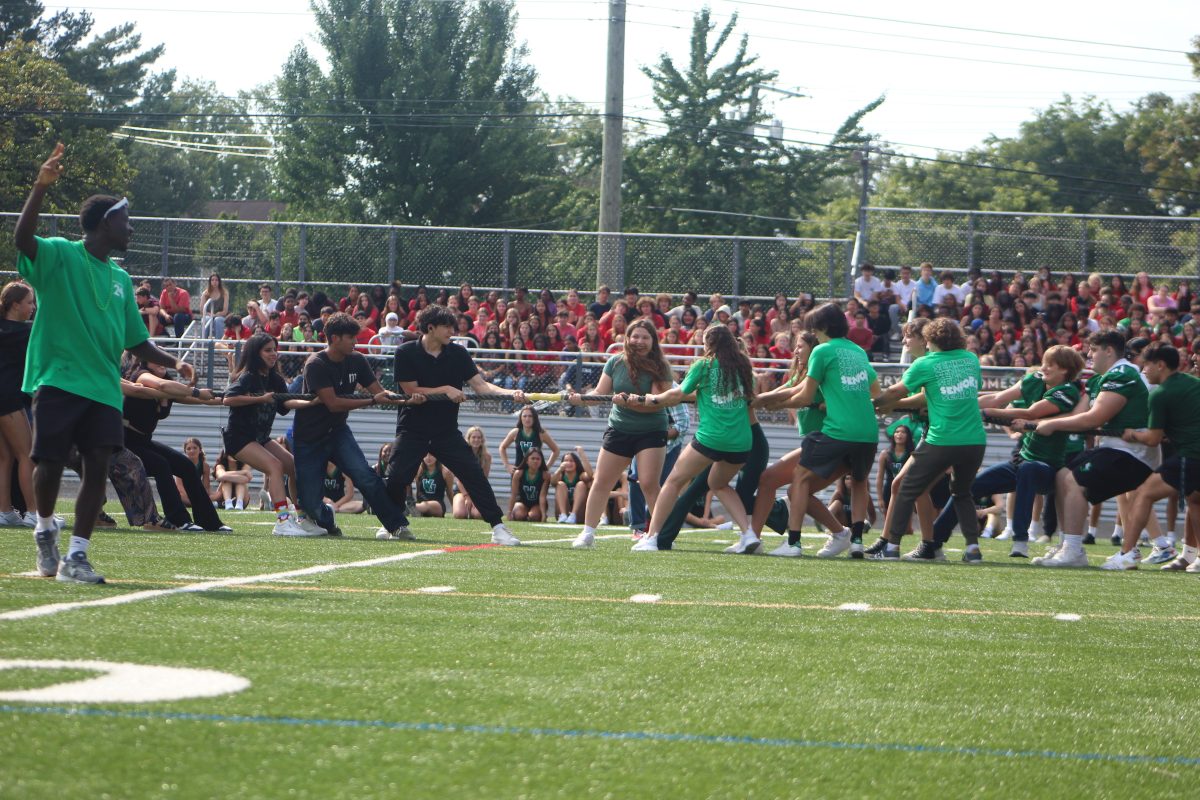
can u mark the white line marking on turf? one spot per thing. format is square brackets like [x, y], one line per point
[125, 683]
[208, 578]
[624, 535]
[437, 589]
[204, 586]
[33, 573]
[645, 598]
[854, 607]
[1067, 617]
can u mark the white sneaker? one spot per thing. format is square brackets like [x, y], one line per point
[835, 545]
[724, 526]
[1063, 557]
[229, 505]
[1037, 561]
[401, 534]
[987, 533]
[584, 541]
[786, 550]
[603, 520]
[306, 524]
[569, 519]
[29, 520]
[561, 519]
[11, 518]
[747, 544]
[287, 527]
[1005, 534]
[238, 506]
[647, 544]
[1120, 561]
[1194, 566]
[503, 536]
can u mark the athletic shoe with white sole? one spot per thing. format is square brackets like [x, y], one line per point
[77, 569]
[1120, 561]
[884, 555]
[1063, 557]
[647, 544]
[503, 536]
[570, 519]
[878, 546]
[835, 545]
[856, 550]
[1005, 535]
[48, 557]
[585, 540]
[925, 551]
[1194, 566]
[724, 526]
[1087, 539]
[401, 534]
[1178, 565]
[191, 527]
[1037, 560]
[1115, 539]
[1161, 555]
[972, 556]
[12, 519]
[306, 524]
[29, 520]
[786, 550]
[1019, 550]
[287, 527]
[747, 544]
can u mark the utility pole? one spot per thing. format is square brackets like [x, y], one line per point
[610, 268]
[864, 200]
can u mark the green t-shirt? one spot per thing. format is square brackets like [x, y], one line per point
[1124, 379]
[845, 375]
[951, 380]
[1032, 389]
[1093, 385]
[811, 418]
[87, 316]
[1052, 449]
[724, 415]
[626, 420]
[1175, 409]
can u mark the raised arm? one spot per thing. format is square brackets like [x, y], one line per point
[26, 230]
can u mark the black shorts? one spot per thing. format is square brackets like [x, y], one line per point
[628, 445]
[12, 401]
[234, 442]
[62, 419]
[824, 455]
[739, 457]
[1181, 474]
[1105, 472]
[1167, 449]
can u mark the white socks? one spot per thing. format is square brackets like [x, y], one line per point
[1073, 542]
[589, 529]
[1163, 542]
[45, 523]
[1092, 531]
[1190, 553]
[1035, 529]
[78, 545]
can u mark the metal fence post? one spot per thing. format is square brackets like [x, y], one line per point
[166, 245]
[849, 264]
[970, 242]
[303, 262]
[1083, 246]
[832, 267]
[506, 260]
[620, 270]
[278, 253]
[393, 237]
[54, 226]
[737, 268]
[210, 352]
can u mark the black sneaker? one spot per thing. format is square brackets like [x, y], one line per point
[1089, 539]
[925, 551]
[879, 546]
[1116, 540]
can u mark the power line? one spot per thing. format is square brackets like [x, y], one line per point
[797, 10]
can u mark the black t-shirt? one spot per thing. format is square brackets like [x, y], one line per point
[14, 343]
[344, 376]
[600, 309]
[253, 423]
[452, 367]
[143, 413]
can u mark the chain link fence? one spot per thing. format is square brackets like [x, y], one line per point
[327, 257]
[1163, 247]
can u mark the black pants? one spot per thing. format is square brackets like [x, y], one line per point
[747, 488]
[164, 465]
[452, 450]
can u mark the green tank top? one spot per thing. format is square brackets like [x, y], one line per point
[526, 443]
[431, 486]
[531, 489]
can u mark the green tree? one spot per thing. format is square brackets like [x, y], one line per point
[425, 116]
[94, 161]
[176, 182]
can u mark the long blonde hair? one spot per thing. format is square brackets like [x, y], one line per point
[481, 452]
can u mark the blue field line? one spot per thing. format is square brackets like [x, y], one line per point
[563, 733]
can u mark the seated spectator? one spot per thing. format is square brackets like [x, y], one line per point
[743, 313]
[880, 326]
[233, 481]
[926, 286]
[350, 301]
[1161, 300]
[214, 307]
[530, 489]
[1142, 289]
[601, 306]
[153, 316]
[781, 347]
[571, 483]
[562, 323]
[365, 332]
[274, 324]
[947, 288]
[866, 285]
[715, 303]
[176, 303]
[289, 313]
[574, 307]
[859, 333]
[463, 332]
[193, 448]
[433, 486]
[338, 491]
[647, 310]
[391, 334]
[688, 305]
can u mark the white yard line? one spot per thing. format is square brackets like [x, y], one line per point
[204, 586]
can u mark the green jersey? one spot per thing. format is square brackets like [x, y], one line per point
[951, 380]
[724, 414]
[530, 488]
[1123, 378]
[842, 370]
[87, 316]
[1051, 450]
[525, 443]
[1033, 386]
[1174, 408]
[624, 419]
[811, 418]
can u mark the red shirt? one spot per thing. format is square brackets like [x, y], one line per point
[177, 303]
[289, 318]
[364, 338]
[863, 337]
[238, 333]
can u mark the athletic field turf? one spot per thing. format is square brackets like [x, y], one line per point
[542, 673]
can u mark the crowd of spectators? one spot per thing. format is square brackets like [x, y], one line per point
[556, 341]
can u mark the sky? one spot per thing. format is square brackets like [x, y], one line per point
[948, 83]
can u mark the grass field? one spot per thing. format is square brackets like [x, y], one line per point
[536, 676]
